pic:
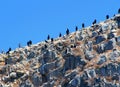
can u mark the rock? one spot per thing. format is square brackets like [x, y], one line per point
[48, 84]
[82, 63]
[37, 80]
[59, 47]
[90, 45]
[114, 41]
[77, 36]
[94, 34]
[71, 75]
[24, 77]
[109, 45]
[7, 85]
[117, 19]
[31, 55]
[118, 40]
[27, 83]
[3, 70]
[49, 56]
[20, 73]
[118, 69]
[97, 81]
[71, 62]
[99, 39]
[10, 60]
[59, 63]
[13, 75]
[102, 59]
[111, 69]
[81, 37]
[6, 79]
[96, 27]
[1, 85]
[108, 84]
[89, 55]
[26, 51]
[75, 82]
[102, 71]
[55, 74]
[115, 77]
[21, 58]
[107, 70]
[100, 48]
[105, 27]
[83, 83]
[44, 69]
[2, 59]
[92, 73]
[105, 36]
[67, 52]
[115, 54]
[39, 59]
[111, 35]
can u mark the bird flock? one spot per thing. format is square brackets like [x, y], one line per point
[29, 43]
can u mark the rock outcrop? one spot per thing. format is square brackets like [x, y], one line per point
[89, 57]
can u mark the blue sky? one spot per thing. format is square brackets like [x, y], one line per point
[23, 20]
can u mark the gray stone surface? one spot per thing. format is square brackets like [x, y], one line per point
[37, 80]
[75, 82]
[71, 62]
[10, 60]
[94, 34]
[111, 35]
[115, 54]
[13, 75]
[118, 40]
[47, 67]
[109, 45]
[102, 59]
[117, 19]
[71, 75]
[90, 45]
[99, 39]
[27, 83]
[101, 48]
[31, 55]
[89, 55]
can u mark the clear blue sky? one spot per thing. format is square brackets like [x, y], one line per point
[23, 20]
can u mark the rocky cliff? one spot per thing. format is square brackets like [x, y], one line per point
[89, 57]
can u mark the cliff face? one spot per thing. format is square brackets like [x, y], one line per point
[89, 57]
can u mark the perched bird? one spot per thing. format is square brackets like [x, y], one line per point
[94, 22]
[52, 39]
[46, 41]
[48, 37]
[8, 51]
[83, 25]
[119, 11]
[30, 42]
[67, 31]
[19, 45]
[60, 35]
[76, 28]
[107, 16]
